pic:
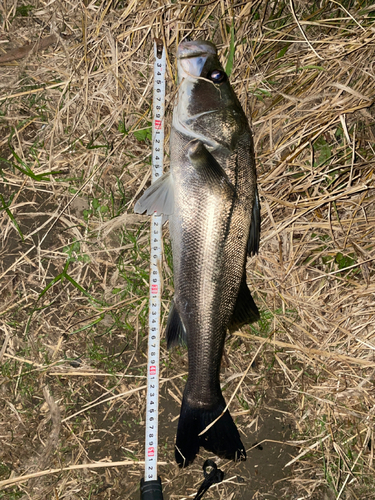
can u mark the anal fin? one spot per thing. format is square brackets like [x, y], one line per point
[175, 331]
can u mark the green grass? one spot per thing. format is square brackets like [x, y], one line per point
[102, 360]
[11, 494]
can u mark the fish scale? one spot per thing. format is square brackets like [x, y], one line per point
[210, 197]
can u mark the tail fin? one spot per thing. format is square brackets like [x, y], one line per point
[222, 438]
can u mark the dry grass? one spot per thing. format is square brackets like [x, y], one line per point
[75, 154]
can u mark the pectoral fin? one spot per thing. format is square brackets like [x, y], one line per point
[157, 198]
[213, 175]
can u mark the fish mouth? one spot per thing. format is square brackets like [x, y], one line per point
[192, 56]
[195, 48]
[191, 59]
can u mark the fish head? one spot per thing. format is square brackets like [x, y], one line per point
[207, 108]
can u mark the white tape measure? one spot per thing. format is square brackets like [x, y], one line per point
[153, 366]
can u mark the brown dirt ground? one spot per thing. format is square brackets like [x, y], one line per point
[74, 258]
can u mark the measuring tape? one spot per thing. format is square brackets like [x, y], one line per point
[151, 485]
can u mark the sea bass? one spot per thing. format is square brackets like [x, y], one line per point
[210, 197]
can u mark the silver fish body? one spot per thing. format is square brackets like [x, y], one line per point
[211, 199]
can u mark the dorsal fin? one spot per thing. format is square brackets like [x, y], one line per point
[245, 310]
[254, 236]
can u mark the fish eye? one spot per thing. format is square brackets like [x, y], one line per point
[217, 76]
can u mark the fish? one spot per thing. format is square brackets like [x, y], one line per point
[211, 200]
